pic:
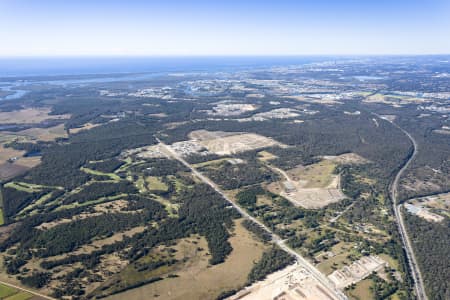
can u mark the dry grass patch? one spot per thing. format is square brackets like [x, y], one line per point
[29, 115]
[7, 153]
[196, 278]
[156, 184]
[100, 209]
[29, 162]
[347, 158]
[86, 126]
[45, 134]
[318, 175]
[362, 291]
[8, 170]
[265, 156]
[336, 258]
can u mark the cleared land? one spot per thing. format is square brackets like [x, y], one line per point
[265, 156]
[336, 258]
[362, 291]
[217, 143]
[439, 201]
[357, 271]
[29, 115]
[86, 126]
[44, 134]
[312, 186]
[10, 293]
[291, 283]
[423, 212]
[347, 158]
[8, 170]
[196, 273]
[12, 162]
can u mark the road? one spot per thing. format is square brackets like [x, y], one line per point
[415, 270]
[26, 290]
[316, 274]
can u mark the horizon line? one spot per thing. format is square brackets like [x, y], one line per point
[217, 55]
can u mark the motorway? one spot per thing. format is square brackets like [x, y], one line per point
[415, 270]
[316, 274]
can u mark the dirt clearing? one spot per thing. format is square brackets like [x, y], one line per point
[312, 186]
[226, 143]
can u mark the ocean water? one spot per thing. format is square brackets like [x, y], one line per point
[17, 73]
[58, 66]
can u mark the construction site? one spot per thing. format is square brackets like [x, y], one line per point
[292, 283]
[357, 271]
[313, 186]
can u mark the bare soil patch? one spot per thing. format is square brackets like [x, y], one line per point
[226, 143]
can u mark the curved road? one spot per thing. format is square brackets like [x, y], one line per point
[415, 270]
[316, 274]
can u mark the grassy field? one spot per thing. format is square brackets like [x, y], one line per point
[317, 175]
[20, 186]
[171, 208]
[94, 172]
[29, 115]
[45, 134]
[196, 273]
[341, 251]
[91, 202]
[265, 155]
[362, 291]
[36, 203]
[393, 263]
[7, 153]
[2, 220]
[20, 296]
[10, 293]
[86, 126]
[6, 291]
[210, 162]
[312, 186]
[156, 184]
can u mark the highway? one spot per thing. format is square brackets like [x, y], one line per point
[316, 274]
[415, 270]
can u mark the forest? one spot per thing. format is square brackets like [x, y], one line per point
[431, 243]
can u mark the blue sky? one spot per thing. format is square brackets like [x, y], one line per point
[171, 27]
